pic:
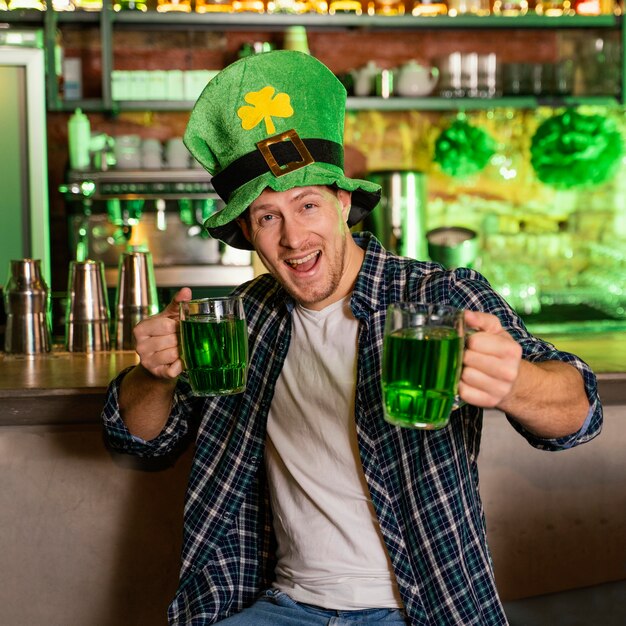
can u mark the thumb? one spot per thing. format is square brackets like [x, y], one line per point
[480, 321]
[182, 295]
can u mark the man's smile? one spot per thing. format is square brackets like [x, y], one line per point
[304, 263]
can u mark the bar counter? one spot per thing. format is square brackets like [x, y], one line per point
[57, 388]
[66, 388]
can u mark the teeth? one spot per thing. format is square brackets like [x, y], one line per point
[294, 262]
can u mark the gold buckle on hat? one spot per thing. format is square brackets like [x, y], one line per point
[280, 170]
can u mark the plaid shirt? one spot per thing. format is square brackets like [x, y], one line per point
[424, 485]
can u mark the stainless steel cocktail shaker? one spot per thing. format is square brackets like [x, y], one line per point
[87, 314]
[136, 296]
[27, 306]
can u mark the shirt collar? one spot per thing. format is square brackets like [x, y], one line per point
[369, 292]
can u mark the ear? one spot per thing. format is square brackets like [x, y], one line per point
[345, 200]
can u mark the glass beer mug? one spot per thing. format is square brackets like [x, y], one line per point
[422, 359]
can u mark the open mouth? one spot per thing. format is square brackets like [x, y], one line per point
[305, 263]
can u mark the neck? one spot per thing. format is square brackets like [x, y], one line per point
[352, 266]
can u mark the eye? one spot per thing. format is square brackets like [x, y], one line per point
[266, 219]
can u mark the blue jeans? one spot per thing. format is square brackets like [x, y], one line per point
[275, 608]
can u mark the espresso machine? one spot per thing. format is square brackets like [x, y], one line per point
[162, 211]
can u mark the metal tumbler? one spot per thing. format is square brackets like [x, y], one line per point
[87, 312]
[27, 307]
[136, 296]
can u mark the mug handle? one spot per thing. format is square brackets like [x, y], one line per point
[458, 401]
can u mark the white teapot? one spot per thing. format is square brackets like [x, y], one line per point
[364, 79]
[415, 80]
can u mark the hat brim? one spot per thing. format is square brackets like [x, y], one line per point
[223, 225]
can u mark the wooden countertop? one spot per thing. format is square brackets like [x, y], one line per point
[61, 370]
[57, 388]
[604, 352]
[65, 388]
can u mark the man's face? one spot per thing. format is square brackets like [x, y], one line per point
[301, 236]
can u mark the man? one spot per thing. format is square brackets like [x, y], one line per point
[304, 506]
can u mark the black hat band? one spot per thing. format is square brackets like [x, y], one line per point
[251, 165]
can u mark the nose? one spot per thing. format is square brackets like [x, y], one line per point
[292, 234]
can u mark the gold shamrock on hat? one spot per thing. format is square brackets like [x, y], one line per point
[265, 105]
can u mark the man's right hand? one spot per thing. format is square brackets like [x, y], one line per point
[157, 342]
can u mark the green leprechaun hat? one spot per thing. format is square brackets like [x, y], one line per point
[272, 120]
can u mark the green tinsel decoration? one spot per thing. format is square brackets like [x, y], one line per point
[576, 150]
[462, 149]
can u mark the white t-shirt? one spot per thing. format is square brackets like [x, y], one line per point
[330, 548]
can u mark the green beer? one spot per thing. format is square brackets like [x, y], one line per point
[215, 354]
[421, 370]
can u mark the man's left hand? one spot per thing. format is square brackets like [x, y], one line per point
[491, 361]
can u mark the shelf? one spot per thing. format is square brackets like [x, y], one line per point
[432, 103]
[108, 19]
[235, 21]
[409, 22]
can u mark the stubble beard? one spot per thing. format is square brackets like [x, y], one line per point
[315, 293]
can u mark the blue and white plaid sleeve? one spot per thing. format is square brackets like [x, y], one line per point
[176, 428]
[471, 290]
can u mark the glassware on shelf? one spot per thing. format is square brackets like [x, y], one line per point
[174, 6]
[317, 6]
[345, 6]
[510, 8]
[599, 62]
[594, 7]
[296, 7]
[428, 8]
[62, 5]
[213, 6]
[553, 8]
[130, 5]
[38, 5]
[450, 75]
[468, 7]
[296, 39]
[385, 7]
[88, 5]
[248, 6]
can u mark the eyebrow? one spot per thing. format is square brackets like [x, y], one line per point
[303, 194]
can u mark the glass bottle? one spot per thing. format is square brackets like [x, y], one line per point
[429, 8]
[510, 8]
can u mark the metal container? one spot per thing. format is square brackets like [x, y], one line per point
[27, 307]
[399, 220]
[87, 313]
[453, 246]
[136, 296]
